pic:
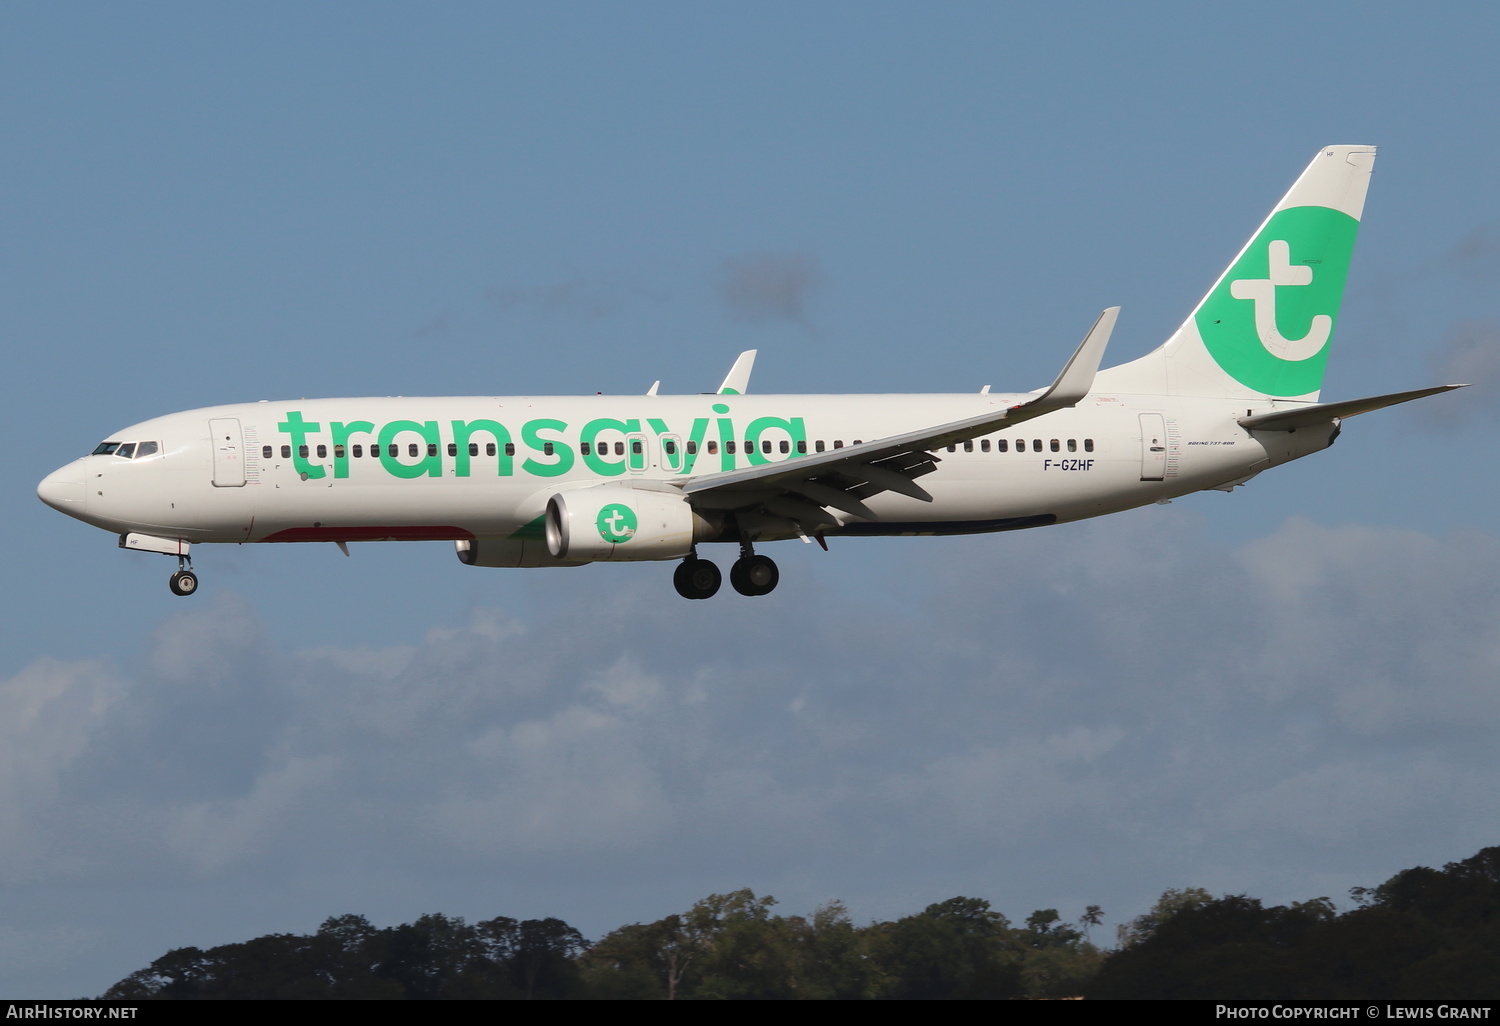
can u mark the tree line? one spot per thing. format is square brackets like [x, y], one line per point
[1424, 933]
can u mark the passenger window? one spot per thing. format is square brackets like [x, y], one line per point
[818, 445]
[432, 448]
[1002, 445]
[1072, 445]
[510, 449]
[395, 450]
[286, 452]
[546, 448]
[338, 452]
[765, 446]
[584, 448]
[358, 450]
[265, 452]
[1088, 445]
[670, 447]
[855, 442]
[474, 448]
[453, 449]
[801, 446]
[635, 446]
[1036, 445]
[1056, 445]
[969, 445]
[322, 452]
[619, 448]
[729, 446]
[838, 443]
[489, 448]
[302, 451]
[692, 448]
[411, 449]
[984, 445]
[1020, 445]
[786, 446]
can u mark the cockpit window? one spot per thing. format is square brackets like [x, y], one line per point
[127, 450]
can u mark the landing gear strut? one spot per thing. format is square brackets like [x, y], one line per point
[752, 574]
[184, 581]
[697, 578]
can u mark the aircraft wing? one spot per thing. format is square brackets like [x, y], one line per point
[800, 487]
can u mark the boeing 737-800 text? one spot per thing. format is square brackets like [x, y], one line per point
[533, 482]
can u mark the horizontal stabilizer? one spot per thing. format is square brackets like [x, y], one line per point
[1323, 413]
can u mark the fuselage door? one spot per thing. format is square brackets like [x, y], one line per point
[635, 453]
[671, 453]
[1153, 447]
[229, 454]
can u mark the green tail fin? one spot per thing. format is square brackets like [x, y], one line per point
[1266, 326]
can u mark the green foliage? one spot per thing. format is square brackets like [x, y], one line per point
[1424, 933]
[1171, 903]
[434, 957]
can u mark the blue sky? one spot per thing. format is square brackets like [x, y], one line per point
[1285, 691]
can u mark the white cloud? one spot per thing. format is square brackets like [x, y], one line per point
[1244, 719]
[1469, 355]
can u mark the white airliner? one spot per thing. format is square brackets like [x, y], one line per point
[532, 481]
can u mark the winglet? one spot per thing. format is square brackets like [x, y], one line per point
[654, 386]
[737, 381]
[1077, 376]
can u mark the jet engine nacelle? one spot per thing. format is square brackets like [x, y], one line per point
[508, 552]
[617, 522]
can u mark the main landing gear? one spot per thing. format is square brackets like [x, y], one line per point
[750, 575]
[697, 578]
[184, 581]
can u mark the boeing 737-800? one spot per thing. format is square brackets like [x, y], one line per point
[534, 482]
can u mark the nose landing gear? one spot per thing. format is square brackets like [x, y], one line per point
[184, 581]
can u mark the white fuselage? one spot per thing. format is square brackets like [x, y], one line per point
[473, 467]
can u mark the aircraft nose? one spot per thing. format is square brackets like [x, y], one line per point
[64, 490]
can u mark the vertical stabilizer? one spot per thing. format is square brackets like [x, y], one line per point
[1265, 328]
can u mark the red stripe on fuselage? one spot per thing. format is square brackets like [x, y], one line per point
[350, 534]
